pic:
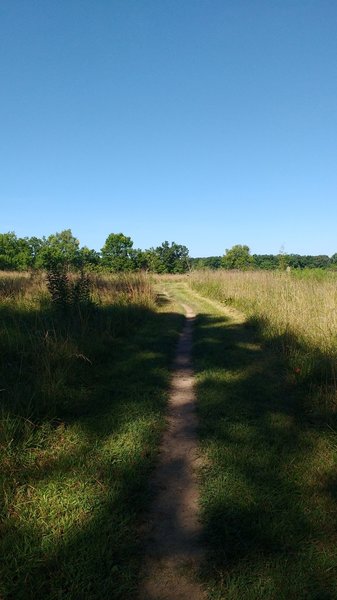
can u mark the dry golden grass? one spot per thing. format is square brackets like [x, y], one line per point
[298, 313]
[305, 307]
[30, 289]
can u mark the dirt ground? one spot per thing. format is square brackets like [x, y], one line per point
[172, 550]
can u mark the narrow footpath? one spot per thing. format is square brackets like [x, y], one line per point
[173, 552]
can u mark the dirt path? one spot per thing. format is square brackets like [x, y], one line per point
[172, 550]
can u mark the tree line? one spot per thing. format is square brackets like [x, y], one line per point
[239, 257]
[118, 254]
[63, 250]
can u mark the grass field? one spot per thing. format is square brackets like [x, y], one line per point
[83, 390]
[83, 393]
[295, 314]
[268, 482]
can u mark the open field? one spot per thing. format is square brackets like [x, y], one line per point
[296, 315]
[268, 481]
[84, 388]
[83, 392]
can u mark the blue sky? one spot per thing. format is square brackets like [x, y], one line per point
[205, 122]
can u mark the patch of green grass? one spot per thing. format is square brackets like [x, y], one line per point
[83, 409]
[268, 481]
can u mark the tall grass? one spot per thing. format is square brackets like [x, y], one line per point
[82, 399]
[45, 349]
[268, 477]
[298, 315]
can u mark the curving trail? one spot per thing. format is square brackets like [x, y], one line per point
[172, 550]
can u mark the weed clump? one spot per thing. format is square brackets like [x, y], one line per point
[67, 291]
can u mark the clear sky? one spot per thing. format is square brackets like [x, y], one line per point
[204, 122]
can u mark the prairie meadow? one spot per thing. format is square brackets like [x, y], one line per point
[265, 359]
[294, 312]
[84, 379]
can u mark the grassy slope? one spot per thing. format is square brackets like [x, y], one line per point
[75, 484]
[269, 483]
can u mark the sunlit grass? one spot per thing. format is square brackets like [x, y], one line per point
[296, 314]
[268, 477]
[83, 397]
[304, 307]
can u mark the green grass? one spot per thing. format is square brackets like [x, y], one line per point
[83, 399]
[268, 481]
[296, 316]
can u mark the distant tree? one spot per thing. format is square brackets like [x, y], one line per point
[295, 261]
[117, 253]
[213, 262]
[24, 258]
[197, 263]
[168, 258]
[150, 260]
[8, 250]
[35, 244]
[59, 250]
[15, 252]
[140, 260]
[89, 259]
[238, 257]
[321, 262]
[333, 261]
[265, 261]
[207, 262]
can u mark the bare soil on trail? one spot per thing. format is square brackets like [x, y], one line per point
[172, 550]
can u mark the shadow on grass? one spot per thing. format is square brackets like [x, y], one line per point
[162, 299]
[268, 500]
[76, 464]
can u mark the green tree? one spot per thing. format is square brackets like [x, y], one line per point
[117, 253]
[150, 260]
[169, 258]
[140, 260]
[207, 262]
[321, 262]
[59, 250]
[35, 244]
[238, 257]
[333, 261]
[15, 253]
[88, 258]
[267, 262]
